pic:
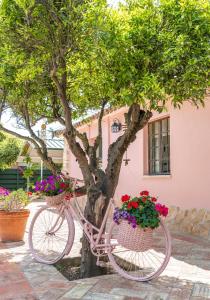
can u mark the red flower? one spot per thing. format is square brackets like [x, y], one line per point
[132, 204]
[144, 198]
[62, 185]
[29, 193]
[129, 206]
[68, 197]
[154, 199]
[125, 198]
[144, 193]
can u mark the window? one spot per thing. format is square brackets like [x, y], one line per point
[159, 147]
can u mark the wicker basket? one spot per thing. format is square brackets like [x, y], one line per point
[55, 200]
[135, 239]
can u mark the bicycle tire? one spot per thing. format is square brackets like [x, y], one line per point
[60, 252]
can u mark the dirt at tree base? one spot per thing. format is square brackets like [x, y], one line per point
[70, 268]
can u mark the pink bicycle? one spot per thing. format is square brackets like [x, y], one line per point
[52, 232]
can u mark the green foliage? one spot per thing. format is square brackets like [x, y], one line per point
[29, 171]
[145, 53]
[9, 150]
[30, 167]
[140, 52]
[146, 215]
[16, 200]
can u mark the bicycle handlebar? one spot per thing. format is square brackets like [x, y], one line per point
[66, 176]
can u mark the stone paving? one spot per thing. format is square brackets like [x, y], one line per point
[186, 277]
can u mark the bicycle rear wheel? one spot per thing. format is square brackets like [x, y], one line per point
[51, 234]
[140, 265]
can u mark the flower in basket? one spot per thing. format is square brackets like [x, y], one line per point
[53, 185]
[142, 210]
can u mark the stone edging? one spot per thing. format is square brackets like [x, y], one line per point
[194, 221]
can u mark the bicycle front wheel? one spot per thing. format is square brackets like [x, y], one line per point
[140, 265]
[51, 234]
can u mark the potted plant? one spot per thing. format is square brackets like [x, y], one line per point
[138, 217]
[13, 215]
[54, 188]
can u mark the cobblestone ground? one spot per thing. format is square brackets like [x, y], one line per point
[186, 277]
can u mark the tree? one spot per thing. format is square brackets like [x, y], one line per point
[143, 54]
[9, 150]
[25, 90]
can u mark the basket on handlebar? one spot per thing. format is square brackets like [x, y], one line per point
[59, 199]
[55, 200]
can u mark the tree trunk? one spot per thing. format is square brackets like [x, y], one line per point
[102, 188]
[48, 163]
[97, 201]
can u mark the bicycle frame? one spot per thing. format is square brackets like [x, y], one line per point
[88, 228]
[101, 242]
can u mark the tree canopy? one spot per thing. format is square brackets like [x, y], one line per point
[144, 52]
[9, 150]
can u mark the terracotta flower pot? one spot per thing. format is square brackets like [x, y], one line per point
[12, 225]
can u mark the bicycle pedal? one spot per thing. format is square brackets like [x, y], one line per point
[101, 264]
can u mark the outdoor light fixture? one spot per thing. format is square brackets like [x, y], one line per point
[116, 126]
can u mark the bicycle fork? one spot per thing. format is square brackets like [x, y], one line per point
[53, 229]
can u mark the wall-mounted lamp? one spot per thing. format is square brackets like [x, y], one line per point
[116, 126]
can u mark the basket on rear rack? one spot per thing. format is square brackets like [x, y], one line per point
[135, 239]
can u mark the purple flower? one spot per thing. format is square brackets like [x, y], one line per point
[124, 215]
[50, 186]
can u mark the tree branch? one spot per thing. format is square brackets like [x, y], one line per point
[61, 88]
[3, 101]
[80, 155]
[99, 137]
[136, 119]
[18, 135]
[30, 130]
[44, 157]
[70, 133]
[84, 139]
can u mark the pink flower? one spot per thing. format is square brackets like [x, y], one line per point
[4, 191]
[162, 209]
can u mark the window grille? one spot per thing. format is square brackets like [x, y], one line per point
[159, 147]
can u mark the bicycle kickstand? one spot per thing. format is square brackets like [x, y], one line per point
[101, 264]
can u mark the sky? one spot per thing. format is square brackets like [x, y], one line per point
[10, 123]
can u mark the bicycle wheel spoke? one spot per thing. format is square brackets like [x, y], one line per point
[140, 265]
[49, 234]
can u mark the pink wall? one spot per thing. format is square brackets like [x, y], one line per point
[188, 186]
